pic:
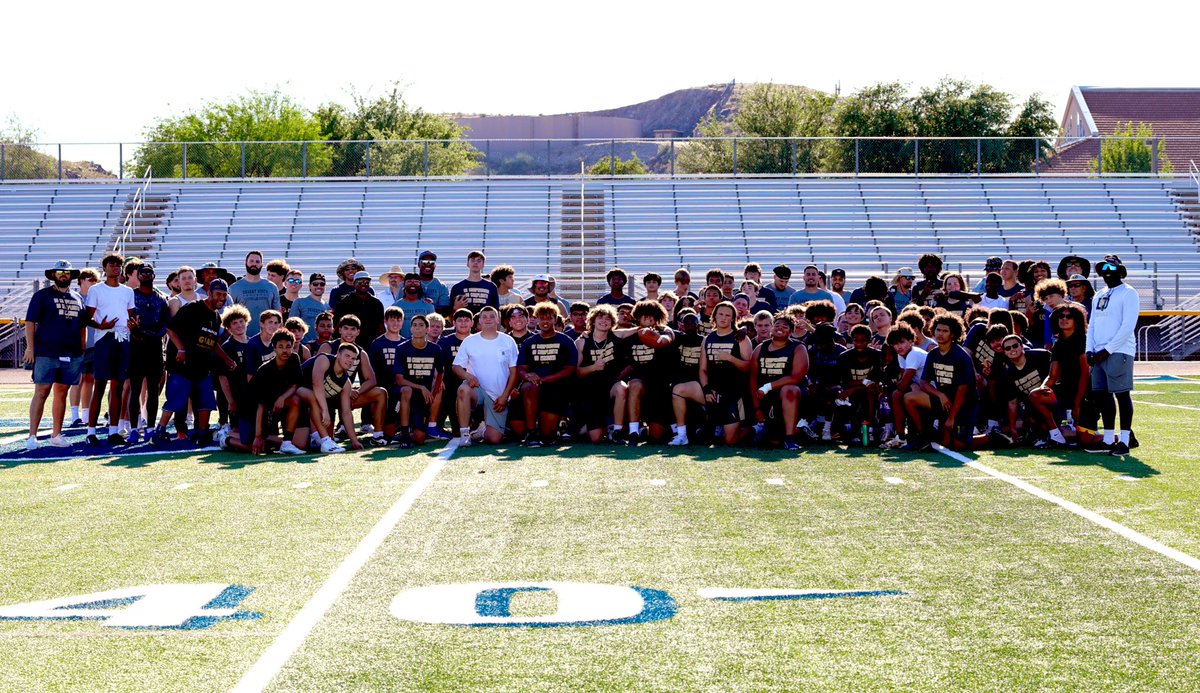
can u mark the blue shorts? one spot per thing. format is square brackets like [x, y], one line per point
[246, 426]
[89, 360]
[181, 390]
[111, 359]
[51, 370]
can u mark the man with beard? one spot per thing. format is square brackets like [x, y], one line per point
[812, 290]
[1110, 352]
[146, 350]
[55, 335]
[539, 287]
[254, 292]
[412, 302]
[363, 304]
[778, 294]
[345, 272]
[546, 366]
[432, 288]
[192, 346]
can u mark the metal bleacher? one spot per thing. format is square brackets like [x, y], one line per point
[865, 225]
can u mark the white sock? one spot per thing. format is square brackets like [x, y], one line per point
[83, 414]
[74, 413]
[123, 425]
[1124, 437]
[1108, 437]
[634, 426]
[464, 432]
[674, 428]
[91, 430]
[1057, 436]
[992, 423]
[326, 439]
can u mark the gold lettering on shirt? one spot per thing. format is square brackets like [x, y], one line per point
[772, 366]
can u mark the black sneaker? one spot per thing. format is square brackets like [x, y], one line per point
[916, 445]
[93, 440]
[618, 436]
[1133, 443]
[116, 439]
[1119, 449]
[634, 439]
[791, 444]
[1098, 447]
[77, 423]
[159, 438]
[532, 441]
[405, 442]
[807, 435]
[999, 438]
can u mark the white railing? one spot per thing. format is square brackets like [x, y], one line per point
[127, 225]
[1194, 173]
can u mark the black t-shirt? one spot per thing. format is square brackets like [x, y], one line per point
[271, 381]
[420, 366]
[608, 300]
[449, 344]
[724, 376]
[1021, 381]
[198, 328]
[547, 356]
[382, 354]
[688, 347]
[370, 313]
[238, 377]
[593, 352]
[857, 366]
[824, 364]
[60, 318]
[1066, 353]
[521, 339]
[362, 354]
[479, 294]
[649, 364]
[774, 364]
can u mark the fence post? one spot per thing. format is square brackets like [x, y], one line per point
[60, 162]
[243, 155]
[426, 158]
[487, 158]
[368, 158]
[735, 157]
[856, 157]
[917, 158]
[120, 161]
[2, 162]
[1176, 290]
[979, 157]
[672, 157]
[185, 160]
[1037, 156]
[548, 172]
[1100, 156]
[304, 159]
[793, 146]
[1158, 302]
[1154, 156]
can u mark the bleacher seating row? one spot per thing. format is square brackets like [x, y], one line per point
[868, 226]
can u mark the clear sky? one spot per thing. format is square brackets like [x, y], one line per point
[102, 72]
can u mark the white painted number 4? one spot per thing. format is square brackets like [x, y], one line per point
[173, 606]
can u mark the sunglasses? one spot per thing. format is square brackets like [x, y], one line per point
[1106, 267]
[1012, 347]
[297, 282]
[908, 276]
[317, 284]
[428, 262]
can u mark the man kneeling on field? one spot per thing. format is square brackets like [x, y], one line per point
[546, 365]
[270, 400]
[418, 374]
[780, 367]
[946, 397]
[487, 365]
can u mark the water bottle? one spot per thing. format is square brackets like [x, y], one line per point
[866, 434]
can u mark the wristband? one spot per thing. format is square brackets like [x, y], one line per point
[765, 388]
[707, 390]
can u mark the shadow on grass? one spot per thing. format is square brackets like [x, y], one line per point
[1127, 465]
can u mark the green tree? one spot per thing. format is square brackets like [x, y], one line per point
[959, 109]
[393, 125]
[775, 111]
[706, 152]
[281, 139]
[21, 160]
[877, 111]
[630, 167]
[1028, 138]
[1130, 151]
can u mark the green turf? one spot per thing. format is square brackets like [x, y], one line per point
[1004, 591]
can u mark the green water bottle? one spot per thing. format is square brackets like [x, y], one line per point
[866, 435]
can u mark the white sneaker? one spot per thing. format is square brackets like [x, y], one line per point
[221, 438]
[288, 449]
[842, 402]
[893, 443]
[477, 434]
[465, 441]
[32, 443]
[314, 440]
[330, 446]
[679, 439]
[367, 429]
[59, 441]
[826, 433]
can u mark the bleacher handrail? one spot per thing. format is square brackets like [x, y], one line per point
[139, 199]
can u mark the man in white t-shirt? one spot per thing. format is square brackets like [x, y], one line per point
[487, 364]
[110, 310]
[911, 359]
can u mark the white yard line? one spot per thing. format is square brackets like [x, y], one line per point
[113, 453]
[67, 487]
[893, 480]
[1094, 517]
[1161, 404]
[285, 645]
[775, 482]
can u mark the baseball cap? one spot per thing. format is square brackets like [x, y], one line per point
[993, 263]
[362, 275]
[837, 272]
[427, 254]
[783, 271]
[146, 268]
[907, 272]
[539, 278]
[217, 285]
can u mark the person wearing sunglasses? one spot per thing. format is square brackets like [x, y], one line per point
[291, 291]
[55, 335]
[1026, 400]
[432, 288]
[309, 307]
[1110, 352]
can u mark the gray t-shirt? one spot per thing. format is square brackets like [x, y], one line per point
[307, 309]
[257, 297]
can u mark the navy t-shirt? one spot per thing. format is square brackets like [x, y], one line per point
[546, 356]
[382, 354]
[479, 294]
[608, 300]
[257, 353]
[420, 366]
[949, 370]
[239, 376]
[59, 317]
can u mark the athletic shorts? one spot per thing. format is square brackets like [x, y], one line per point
[964, 426]
[181, 390]
[51, 370]
[493, 418]
[112, 359]
[656, 402]
[246, 425]
[730, 409]
[89, 360]
[418, 410]
[554, 398]
[1114, 374]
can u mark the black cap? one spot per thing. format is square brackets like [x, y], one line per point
[837, 272]
[783, 271]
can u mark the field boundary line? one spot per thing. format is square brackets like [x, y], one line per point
[260, 675]
[1089, 515]
[1164, 404]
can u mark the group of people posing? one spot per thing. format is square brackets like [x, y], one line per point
[1026, 356]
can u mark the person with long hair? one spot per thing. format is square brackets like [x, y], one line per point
[1066, 386]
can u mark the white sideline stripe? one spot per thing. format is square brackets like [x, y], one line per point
[1132, 535]
[1161, 404]
[303, 485]
[658, 482]
[540, 483]
[893, 480]
[285, 645]
[181, 487]
[775, 482]
[116, 453]
[1126, 477]
[67, 487]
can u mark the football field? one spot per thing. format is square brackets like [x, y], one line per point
[602, 568]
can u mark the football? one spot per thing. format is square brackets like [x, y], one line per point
[650, 337]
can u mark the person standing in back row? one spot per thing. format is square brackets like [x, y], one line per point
[110, 309]
[474, 292]
[254, 292]
[55, 336]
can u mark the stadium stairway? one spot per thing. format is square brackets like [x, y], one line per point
[576, 230]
